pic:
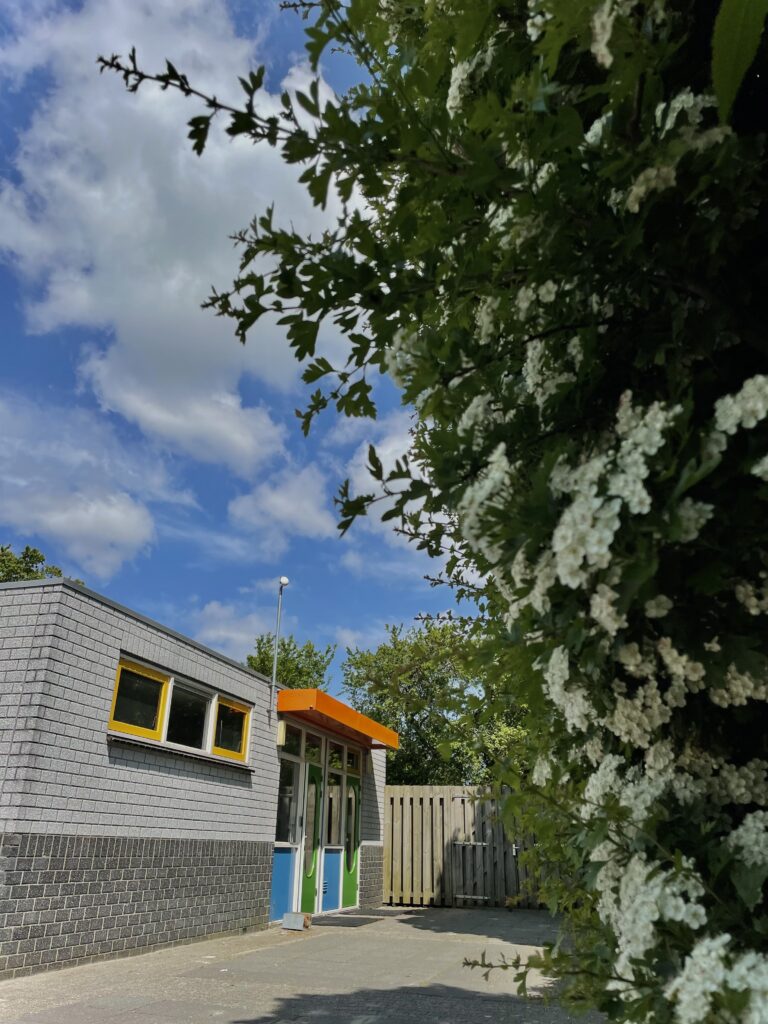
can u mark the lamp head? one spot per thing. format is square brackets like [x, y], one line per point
[284, 581]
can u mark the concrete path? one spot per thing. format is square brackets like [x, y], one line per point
[391, 966]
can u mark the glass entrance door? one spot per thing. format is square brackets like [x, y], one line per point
[285, 857]
[312, 825]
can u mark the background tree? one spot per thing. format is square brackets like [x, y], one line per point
[299, 667]
[552, 239]
[30, 564]
[421, 683]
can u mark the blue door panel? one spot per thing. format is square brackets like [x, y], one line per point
[282, 883]
[332, 880]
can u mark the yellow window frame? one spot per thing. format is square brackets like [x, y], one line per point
[137, 730]
[233, 755]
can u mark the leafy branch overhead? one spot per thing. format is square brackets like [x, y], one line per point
[549, 232]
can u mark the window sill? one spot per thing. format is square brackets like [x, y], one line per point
[169, 748]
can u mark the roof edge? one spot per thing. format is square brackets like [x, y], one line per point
[67, 584]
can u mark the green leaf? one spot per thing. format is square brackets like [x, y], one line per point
[738, 29]
[749, 880]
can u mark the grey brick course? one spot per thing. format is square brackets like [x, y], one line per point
[126, 894]
[371, 876]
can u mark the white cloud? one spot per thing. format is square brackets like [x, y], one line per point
[293, 504]
[365, 639]
[69, 479]
[263, 585]
[97, 532]
[118, 226]
[229, 628]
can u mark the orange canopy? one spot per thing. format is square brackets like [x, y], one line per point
[325, 712]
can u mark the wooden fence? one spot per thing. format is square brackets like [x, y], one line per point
[446, 847]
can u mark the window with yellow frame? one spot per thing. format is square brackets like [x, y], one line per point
[180, 714]
[230, 736]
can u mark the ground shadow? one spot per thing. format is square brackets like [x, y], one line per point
[418, 1004]
[520, 927]
[345, 920]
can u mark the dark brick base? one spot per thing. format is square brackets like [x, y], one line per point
[72, 899]
[371, 877]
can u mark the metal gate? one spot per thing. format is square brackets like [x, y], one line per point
[445, 846]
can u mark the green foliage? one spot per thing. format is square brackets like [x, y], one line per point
[29, 565]
[554, 243]
[299, 667]
[456, 718]
[738, 30]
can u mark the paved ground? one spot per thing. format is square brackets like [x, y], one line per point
[393, 967]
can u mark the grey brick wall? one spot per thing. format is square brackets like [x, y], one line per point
[371, 876]
[27, 614]
[108, 847]
[372, 811]
[66, 900]
[60, 650]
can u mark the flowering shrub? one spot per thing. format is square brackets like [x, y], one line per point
[553, 240]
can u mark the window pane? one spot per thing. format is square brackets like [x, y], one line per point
[333, 810]
[309, 831]
[186, 719]
[138, 700]
[313, 747]
[230, 724]
[292, 743]
[287, 802]
[336, 756]
[350, 839]
[353, 761]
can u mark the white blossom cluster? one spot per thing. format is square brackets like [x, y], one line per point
[692, 516]
[636, 718]
[588, 525]
[658, 607]
[750, 839]
[686, 101]
[488, 490]
[602, 608]
[480, 414]
[573, 702]
[583, 537]
[400, 355]
[652, 179]
[537, 20]
[542, 771]
[536, 580]
[461, 76]
[754, 599]
[745, 409]
[634, 897]
[739, 688]
[602, 30]
[711, 968]
[701, 776]
[485, 318]
[539, 380]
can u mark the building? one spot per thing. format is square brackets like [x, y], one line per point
[150, 795]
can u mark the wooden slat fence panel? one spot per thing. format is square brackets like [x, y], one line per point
[446, 846]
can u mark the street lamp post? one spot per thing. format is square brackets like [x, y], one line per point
[284, 581]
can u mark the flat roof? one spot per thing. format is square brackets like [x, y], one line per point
[101, 599]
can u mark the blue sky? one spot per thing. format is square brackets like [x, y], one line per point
[144, 450]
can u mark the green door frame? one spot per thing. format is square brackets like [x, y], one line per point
[349, 874]
[309, 878]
